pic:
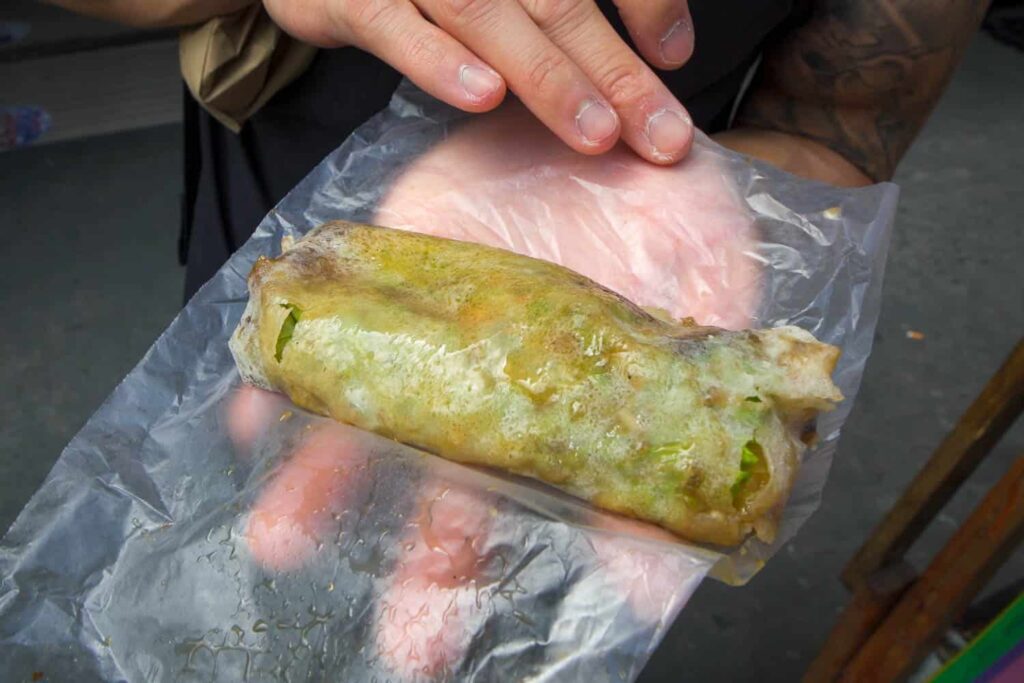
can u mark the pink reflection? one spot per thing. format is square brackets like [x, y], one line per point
[421, 628]
[678, 239]
[249, 413]
[296, 511]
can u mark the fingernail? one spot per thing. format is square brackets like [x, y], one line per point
[478, 82]
[677, 45]
[668, 132]
[596, 122]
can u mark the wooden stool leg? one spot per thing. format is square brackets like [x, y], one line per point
[865, 611]
[945, 589]
[984, 423]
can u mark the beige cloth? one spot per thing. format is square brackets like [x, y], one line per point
[234, 64]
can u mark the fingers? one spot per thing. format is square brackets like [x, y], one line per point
[249, 412]
[443, 539]
[422, 629]
[296, 510]
[570, 68]
[654, 123]
[661, 29]
[561, 57]
[550, 84]
[650, 577]
[422, 624]
[397, 33]
[307, 20]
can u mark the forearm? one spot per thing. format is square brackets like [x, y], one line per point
[861, 76]
[796, 154]
[153, 13]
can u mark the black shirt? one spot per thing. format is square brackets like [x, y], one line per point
[232, 181]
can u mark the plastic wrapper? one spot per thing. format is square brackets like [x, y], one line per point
[199, 530]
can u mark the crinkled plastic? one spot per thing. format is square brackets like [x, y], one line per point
[197, 530]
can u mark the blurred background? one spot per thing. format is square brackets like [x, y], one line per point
[90, 205]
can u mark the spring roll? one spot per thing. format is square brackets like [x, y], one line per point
[487, 357]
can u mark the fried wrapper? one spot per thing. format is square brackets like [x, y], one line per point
[488, 357]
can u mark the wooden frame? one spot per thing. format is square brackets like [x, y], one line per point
[894, 619]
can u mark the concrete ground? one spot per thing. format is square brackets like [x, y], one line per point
[88, 278]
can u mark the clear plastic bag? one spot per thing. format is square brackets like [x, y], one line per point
[156, 550]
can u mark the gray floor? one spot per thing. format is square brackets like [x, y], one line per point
[88, 278]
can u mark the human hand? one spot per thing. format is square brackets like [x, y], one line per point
[450, 547]
[560, 57]
[677, 239]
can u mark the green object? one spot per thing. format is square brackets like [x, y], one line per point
[748, 456]
[287, 330]
[1004, 634]
[749, 459]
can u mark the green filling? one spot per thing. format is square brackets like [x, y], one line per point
[748, 456]
[749, 459]
[670, 450]
[287, 329]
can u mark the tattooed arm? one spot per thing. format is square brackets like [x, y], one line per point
[842, 97]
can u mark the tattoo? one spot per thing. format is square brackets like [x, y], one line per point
[861, 76]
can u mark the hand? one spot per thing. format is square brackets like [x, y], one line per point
[561, 57]
[428, 609]
[676, 239]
